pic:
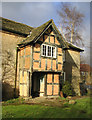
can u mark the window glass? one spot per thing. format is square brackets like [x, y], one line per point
[52, 51]
[48, 51]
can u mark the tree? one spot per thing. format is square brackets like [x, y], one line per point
[70, 23]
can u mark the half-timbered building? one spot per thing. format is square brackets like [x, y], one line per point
[43, 60]
[40, 60]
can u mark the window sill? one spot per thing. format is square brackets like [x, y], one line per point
[49, 57]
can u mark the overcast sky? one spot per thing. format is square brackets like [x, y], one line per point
[36, 13]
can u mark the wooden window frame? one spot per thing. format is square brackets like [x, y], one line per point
[48, 46]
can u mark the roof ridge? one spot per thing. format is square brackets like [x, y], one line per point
[15, 22]
[45, 23]
[15, 27]
[37, 32]
[43, 26]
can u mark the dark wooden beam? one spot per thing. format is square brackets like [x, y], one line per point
[40, 58]
[46, 64]
[47, 71]
[57, 58]
[59, 54]
[52, 83]
[51, 63]
[45, 84]
[36, 61]
[37, 51]
[59, 63]
[49, 38]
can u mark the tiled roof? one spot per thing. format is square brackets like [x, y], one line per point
[36, 32]
[23, 29]
[74, 47]
[14, 27]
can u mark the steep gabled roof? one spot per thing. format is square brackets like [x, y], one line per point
[37, 32]
[14, 27]
[22, 29]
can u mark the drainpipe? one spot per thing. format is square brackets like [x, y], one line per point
[16, 71]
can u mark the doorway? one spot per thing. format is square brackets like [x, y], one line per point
[38, 84]
[41, 78]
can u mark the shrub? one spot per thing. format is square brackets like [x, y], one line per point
[67, 89]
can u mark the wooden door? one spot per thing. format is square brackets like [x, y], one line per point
[52, 84]
[24, 83]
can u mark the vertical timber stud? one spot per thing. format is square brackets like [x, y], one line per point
[59, 85]
[57, 58]
[46, 85]
[46, 64]
[19, 81]
[23, 71]
[54, 39]
[30, 58]
[27, 83]
[31, 68]
[52, 84]
[51, 63]
[16, 71]
[24, 59]
[32, 55]
[40, 57]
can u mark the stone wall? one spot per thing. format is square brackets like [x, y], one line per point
[9, 43]
[72, 69]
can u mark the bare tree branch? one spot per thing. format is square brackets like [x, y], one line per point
[71, 21]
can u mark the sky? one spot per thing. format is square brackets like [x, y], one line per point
[36, 13]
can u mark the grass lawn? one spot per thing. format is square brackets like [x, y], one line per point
[81, 109]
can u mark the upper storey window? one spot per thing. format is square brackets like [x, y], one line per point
[48, 51]
[44, 50]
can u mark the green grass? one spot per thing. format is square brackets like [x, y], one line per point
[14, 101]
[79, 110]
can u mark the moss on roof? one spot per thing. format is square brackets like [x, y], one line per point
[36, 32]
[14, 27]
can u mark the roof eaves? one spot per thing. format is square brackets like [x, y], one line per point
[60, 35]
[74, 47]
[42, 33]
[15, 27]
[35, 38]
